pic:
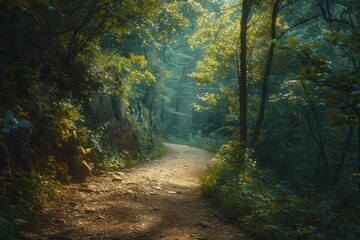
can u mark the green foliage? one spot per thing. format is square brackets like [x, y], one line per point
[112, 162]
[55, 55]
[22, 196]
[33, 190]
[311, 113]
[212, 143]
[147, 143]
[218, 34]
[269, 208]
[7, 213]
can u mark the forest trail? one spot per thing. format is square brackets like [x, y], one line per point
[159, 199]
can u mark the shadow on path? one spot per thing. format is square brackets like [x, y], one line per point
[155, 200]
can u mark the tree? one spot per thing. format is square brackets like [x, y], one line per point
[265, 79]
[242, 73]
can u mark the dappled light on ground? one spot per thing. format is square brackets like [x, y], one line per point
[158, 199]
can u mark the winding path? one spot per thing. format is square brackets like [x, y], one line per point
[159, 199]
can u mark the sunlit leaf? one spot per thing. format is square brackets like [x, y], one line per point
[85, 150]
[308, 230]
[292, 41]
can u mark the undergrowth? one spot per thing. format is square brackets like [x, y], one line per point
[21, 196]
[269, 209]
[23, 192]
[211, 142]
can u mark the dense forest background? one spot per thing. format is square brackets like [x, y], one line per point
[272, 86]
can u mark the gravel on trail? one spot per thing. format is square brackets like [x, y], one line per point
[158, 199]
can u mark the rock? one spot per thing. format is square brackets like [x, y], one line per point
[204, 224]
[157, 187]
[108, 107]
[118, 108]
[136, 219]
[116, 179]
[12, 124]
[72, 204]
[17, 132]
[129, 192]
[193, 236]
[60, 221]
[87, 190]
[131, 183]
[101, 216]
[121, 135]
[119, 173]
[171, 192]
[106, 236]
[90, 210]
[151, 194]
[100, 104]
[142, 237]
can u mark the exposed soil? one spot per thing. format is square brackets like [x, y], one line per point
[159, 199]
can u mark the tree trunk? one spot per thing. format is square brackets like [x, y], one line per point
[242, 78]
[147, 94]
[267, 71]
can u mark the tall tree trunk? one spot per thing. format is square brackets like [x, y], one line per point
[267, 71]
[242, 78]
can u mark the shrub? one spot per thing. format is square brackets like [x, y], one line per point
[7, 213]
[28, 191]
[146, 143]
[269, 208]
[212, 142]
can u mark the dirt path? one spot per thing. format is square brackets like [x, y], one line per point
[156, 200]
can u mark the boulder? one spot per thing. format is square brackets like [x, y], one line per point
[121, 135]
[17, 133]
[100, 105]
[110, 108]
